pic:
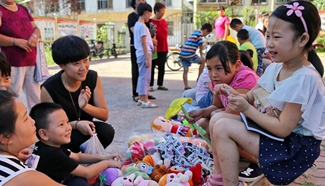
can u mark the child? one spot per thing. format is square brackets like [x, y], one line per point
[144, 49]
[295, 89]
[188, 51]
[245, 44]
[224, 66]
[53, 130]
[255, 37]
[5, 70]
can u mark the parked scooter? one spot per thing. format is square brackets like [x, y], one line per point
[96, 49]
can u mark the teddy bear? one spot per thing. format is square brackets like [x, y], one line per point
[154, 172]
[163, 125]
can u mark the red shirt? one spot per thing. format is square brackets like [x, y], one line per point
[162, 34]
[17, 25]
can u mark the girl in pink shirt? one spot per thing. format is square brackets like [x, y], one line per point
[221, 25]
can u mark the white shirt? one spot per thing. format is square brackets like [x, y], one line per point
[303, 87]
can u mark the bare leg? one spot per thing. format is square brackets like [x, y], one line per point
[226, 134]
[201, 68]
[204, 123]
[143, 98]
[185, 72]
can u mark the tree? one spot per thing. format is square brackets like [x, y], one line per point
[320, 4]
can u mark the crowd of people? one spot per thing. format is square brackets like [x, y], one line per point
[63, 108]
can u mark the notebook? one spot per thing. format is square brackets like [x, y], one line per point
[252, 126]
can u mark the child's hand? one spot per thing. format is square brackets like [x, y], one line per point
[195, 115]
[238, 103]
[113, 163]
[84, 97]
[86, 127]
[224, 89]
[24, 154]
[148, 62]
[116, 157]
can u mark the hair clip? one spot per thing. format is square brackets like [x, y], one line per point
[297, 10]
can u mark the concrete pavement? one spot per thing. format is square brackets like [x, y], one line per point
[127, 118]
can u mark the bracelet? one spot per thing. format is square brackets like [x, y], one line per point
[76, 125]
[14, 42]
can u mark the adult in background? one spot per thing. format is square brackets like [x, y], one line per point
[18, 39]
[221, 25]
[132, 19]
[79, 91]
[162, 47]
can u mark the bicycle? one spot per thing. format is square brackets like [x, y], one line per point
[173, 62]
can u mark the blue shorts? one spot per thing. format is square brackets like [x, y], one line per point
[188, 62]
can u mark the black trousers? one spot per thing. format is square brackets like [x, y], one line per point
[160, 62]
[135, 71]
[105, 133]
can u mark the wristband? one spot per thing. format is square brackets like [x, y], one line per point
[14, 42]
[34, 35]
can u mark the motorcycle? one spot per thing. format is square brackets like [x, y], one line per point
[96, 49]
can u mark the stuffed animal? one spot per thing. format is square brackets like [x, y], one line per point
[155, 159]
[109, 175]
[157, 172]
[135, 151]
[163, 125]
[181, 179]
[139, 181]
[138, 172]
[124, 181]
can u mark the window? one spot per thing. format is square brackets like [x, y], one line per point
[213, 1]
[105, 4]
[127, 4]
[81, 5]
[165, 2]
[281, 1]
[170, 28]
[263, 2]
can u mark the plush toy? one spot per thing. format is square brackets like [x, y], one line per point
[135, 151]
[124, 181]
[181, 179]
[136, 171]
[155, 159]
[157, 172]
[164, 125]
[109, 175]
[139, 138]
[144, 167]
[139, 181]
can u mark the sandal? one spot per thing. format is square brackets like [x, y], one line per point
[151, 89]
[162, 88]
[211, 180]
[149, 104]
[139, 103]
[187, 88]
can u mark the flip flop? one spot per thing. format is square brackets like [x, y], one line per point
[149, 104]
[151, 97]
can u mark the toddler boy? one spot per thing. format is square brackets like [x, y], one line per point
[53, 130]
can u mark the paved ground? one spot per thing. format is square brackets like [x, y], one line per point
[127, 118]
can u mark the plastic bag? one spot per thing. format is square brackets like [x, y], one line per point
[95, 147]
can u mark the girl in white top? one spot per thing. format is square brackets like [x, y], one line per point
[296, 91]
[17, 132]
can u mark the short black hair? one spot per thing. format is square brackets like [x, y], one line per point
[5, 66]
[245, 58]
[158, 6]
[207, 26]
[68, 49]
[40, 113]
[143, 7]
[243, 34]
[132, 4]
[8, 114]
[235, 22]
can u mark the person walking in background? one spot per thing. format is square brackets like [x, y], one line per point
[132, 19]
[221, 25]
[256, 38]
[162, 47]
[144, 49]
[18, 39]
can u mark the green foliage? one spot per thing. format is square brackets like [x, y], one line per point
[205, 17]
[48, 53]
[320, 4]
[321, 40]
[249, 16]
[102, 34]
